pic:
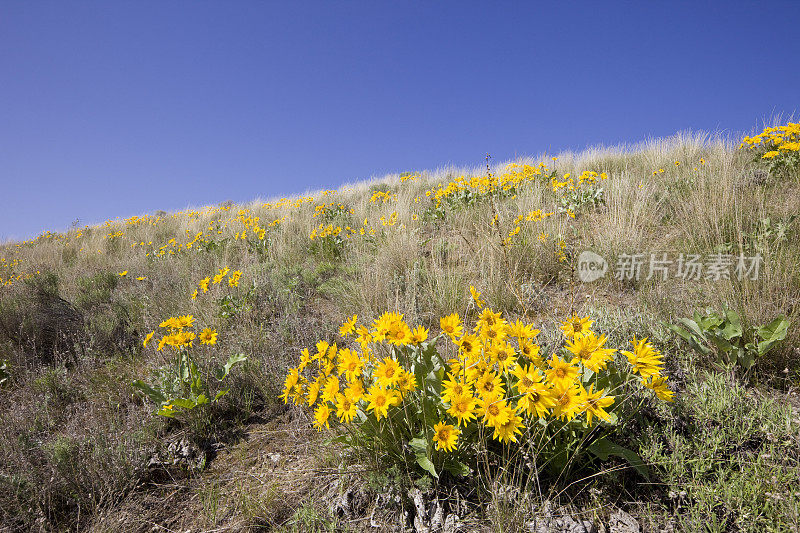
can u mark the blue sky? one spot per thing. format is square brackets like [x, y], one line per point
[121, 108]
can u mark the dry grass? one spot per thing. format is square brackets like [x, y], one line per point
[296, 293]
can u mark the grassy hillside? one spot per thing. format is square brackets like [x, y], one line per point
[82, 448]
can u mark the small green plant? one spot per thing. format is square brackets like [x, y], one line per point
[327, 243]
[231, 305]
[574, 200]
[183, 386]
[770, 234]
[722, 337]
[578, 192]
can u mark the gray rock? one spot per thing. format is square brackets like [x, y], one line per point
[429, 514]
[452, 524]
[622, 522]
[352, 504]
[560, 524]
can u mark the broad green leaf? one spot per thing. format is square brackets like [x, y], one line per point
[692, 326]
[722, 344]
[340, 439]
[733, 328]
[149, 391]
[772, 333]
[419, 445]
[223, 372]
[747, 357]
[427, 465]
[457, 468]
[184, 403]
[603, 448]
[692, 335]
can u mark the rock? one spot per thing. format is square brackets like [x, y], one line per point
[560, 524]
[429, 515]
[352, 504]
[180, 457]
[622, 522]
[421, 523]
[452, 524]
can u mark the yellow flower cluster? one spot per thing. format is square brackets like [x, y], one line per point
[179, 335]
[340, 386]
[251, 223]
[571, 183]
[658, 171]
[382, 196]
[322, 231]
[7, 275]
[391, 221]
[531, 216]
[205, 283]
[775, 140]
[513, 176]
[495, 377]
[173, 247]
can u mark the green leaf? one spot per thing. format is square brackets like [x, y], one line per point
[223, 372]
[747, 356]
[168, 413]
[220, 394]
[733, 329]
[184, 403]
[692, 335]
[457, 468]
[602, 448]
[772, 333]
[721, 344]
[419, 445]
[427, 465]
[692, 326]
[149, 391]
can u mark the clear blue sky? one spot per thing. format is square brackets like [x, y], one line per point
[120, 108]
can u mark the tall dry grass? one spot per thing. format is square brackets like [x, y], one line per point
[295, 292]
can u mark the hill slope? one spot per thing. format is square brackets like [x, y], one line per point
[82, 448]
